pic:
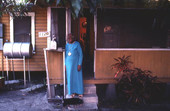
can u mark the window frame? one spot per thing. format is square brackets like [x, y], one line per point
[32, 15]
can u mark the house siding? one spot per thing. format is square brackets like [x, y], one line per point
[36, 63]
[158, 62]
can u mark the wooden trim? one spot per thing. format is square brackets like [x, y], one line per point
[103, 81]
[135, 49]
[164, 80]
[90, 81]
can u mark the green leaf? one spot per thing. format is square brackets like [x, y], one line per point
[76, 4]
[47, 1]
[57, 2]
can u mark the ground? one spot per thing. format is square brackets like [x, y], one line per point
[13, 99]
[19, 101]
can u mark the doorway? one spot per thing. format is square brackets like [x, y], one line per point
[83, 30]
[58, 26]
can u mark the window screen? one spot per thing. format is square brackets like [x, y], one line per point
[22, 29]
[131, 28]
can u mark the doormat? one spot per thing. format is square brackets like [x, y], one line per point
[72, 101]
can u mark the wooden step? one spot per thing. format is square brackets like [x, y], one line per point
[90, 98]
[89, 89]
[83, 107]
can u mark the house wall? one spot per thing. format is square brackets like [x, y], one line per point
[37, 61]
[157, 61]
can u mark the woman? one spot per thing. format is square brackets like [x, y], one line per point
[73, 63]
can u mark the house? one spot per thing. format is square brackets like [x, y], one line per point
[113, 32]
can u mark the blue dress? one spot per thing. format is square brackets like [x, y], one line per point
[74, 77]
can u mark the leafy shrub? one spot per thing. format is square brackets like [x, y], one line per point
[122, 64]
[134, 85]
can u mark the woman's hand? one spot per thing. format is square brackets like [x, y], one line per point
[79, 67]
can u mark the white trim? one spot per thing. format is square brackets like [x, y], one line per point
[68, 22]
[95, 40]
[49, 26]
[95, 30]
[11, 30]
[32, 14]
[94, 64]
[133, 49]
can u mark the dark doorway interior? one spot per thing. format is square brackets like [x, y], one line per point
[83, 29]
[58, 26]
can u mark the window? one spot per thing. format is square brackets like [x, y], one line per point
[22, 29]
[131, 28]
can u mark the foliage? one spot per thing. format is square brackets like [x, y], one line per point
[77, 6]
[134, 85]
[160, 4]
[14, 8]
[122, 64]
[24, 6]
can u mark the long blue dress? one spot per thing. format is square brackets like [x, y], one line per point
[74, 77]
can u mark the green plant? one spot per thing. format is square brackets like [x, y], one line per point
[134, 85]
[15, 8]
[122, 64]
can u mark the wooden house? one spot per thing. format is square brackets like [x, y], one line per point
[112, 32]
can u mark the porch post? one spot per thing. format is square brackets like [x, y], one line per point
[7, 68]
[47, 75]
[95, 43]
[95, 30]
[68, 30]
[24, 72]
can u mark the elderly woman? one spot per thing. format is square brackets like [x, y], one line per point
[73, 63]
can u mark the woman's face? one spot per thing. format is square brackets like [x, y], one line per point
[70, 40]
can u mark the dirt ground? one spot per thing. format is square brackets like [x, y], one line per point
[12, 99]
[18, 101]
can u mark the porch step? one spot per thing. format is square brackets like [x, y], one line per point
[89, 89]
[83, 107]
[90, 100]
